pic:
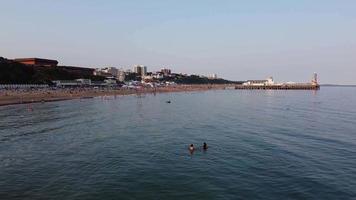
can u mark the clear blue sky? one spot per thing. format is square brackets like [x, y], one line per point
[238, 40]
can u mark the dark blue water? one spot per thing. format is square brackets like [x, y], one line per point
[263, 145]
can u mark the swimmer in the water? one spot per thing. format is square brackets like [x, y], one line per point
[191, 147]
[205, 146]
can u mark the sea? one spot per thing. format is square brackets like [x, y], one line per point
[262, 144]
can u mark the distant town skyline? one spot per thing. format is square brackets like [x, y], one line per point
[237, 40]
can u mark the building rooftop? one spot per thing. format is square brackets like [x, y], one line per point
[37, 61]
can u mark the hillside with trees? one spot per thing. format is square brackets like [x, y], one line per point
[195, 79]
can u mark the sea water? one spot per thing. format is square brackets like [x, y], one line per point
[262, 145]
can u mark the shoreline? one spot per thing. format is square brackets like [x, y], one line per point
[14, 97]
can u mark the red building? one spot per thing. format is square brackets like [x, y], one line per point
[37, 62]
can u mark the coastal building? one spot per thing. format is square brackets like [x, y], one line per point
[144, 71]
[158, 75]
[110, 82]
[37, 62]
[166, 71]
[73, 83]
[98, 72]
[153, 77]
[107, 71]
[148, 78]
[113, 73]
[83, 71]
[66, 83]
[110, 70]
[84, 82]
[268, 81]
[98, 83]
[141, 70]
[121, 75]
[213, 76]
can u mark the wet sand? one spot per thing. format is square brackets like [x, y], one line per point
[10, 97]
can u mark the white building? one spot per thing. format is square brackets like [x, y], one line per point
[110, 70]
[107, 71]
[158, 75]
[213, 76]
[268, 81]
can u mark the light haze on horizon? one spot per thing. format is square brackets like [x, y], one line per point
[237, 40]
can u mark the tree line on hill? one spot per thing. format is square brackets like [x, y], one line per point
[183, 79]
[195, 79]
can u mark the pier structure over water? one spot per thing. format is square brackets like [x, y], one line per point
[269, 84]
[305, 86]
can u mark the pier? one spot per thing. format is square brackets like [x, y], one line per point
[278, 87]
[269, 84]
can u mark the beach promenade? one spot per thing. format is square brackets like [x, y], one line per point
[13, 96]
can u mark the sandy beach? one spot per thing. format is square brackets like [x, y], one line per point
[10, 97]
